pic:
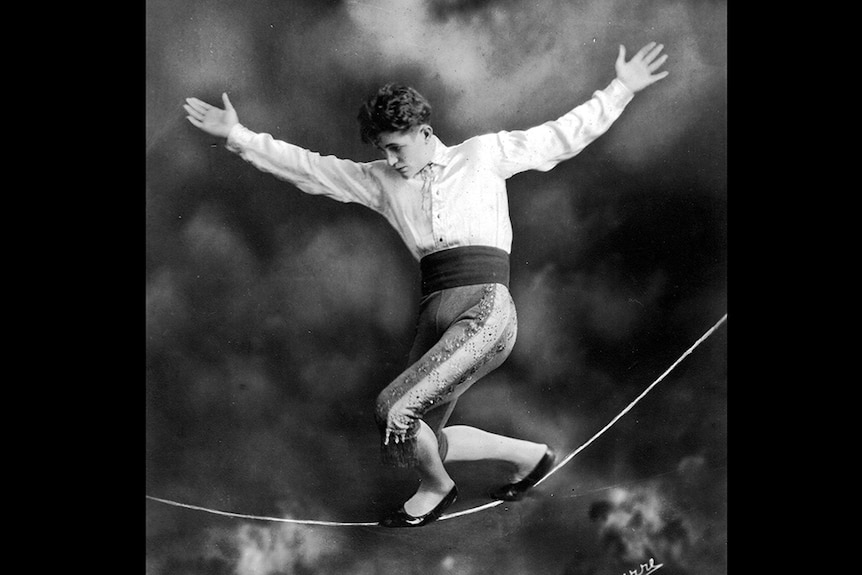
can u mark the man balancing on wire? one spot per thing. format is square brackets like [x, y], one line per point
[449, 205]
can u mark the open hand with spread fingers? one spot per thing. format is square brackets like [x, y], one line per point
[209, 118]
[639, 72]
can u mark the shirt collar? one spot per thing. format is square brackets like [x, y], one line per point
[439, 157]
[442, 154]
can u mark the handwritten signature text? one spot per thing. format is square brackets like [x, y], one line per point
[645, 568]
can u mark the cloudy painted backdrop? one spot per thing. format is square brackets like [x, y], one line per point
[273, 318]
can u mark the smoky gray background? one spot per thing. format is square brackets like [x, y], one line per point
[273, 318]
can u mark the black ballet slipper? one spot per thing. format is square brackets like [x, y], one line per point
[516, 491]
[401, 518]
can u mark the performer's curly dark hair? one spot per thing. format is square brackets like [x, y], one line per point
[393, 108]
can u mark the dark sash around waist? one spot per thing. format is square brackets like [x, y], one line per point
[463, 266]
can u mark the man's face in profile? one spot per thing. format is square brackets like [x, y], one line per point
[407, 151]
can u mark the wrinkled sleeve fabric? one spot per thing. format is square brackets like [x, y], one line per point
[544, 146]
[313, 173]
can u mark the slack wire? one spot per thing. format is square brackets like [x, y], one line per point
[478, 508]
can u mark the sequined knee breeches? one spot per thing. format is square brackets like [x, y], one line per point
[463, 333]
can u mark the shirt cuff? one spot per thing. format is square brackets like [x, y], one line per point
[619, 93]
[238, 137]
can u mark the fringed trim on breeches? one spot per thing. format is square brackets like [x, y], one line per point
[470, 348]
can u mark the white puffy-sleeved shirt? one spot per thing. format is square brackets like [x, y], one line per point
[460, 198]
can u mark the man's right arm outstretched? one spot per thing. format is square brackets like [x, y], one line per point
[336, 178]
